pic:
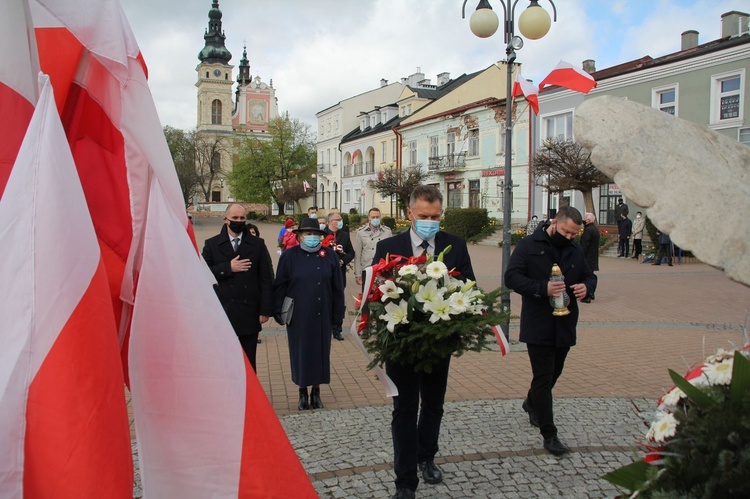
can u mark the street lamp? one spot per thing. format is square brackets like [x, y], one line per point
[314, 183]
[534, 22]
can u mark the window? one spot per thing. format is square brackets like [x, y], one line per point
[665, 99]
[393, 149]
[347, 196]
[474, 142]
[450, 146]
[473, 193]
[744, 136]
[559, 126]
[216, 112]
[382, 151]
[726, 98]
[433, 147]
[412, 153]
[408, 109]
[501, 141]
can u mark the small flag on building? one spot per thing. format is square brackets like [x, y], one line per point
[568, 76]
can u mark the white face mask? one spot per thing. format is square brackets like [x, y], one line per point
[637, 216]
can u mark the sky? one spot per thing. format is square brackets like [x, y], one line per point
[319, 52]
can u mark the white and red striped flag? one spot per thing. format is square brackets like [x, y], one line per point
[116, 140]
[568, 76]
[523, 87]
[306, 185]
[64, 430]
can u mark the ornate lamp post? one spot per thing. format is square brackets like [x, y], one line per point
[534, 22]
[315, 197]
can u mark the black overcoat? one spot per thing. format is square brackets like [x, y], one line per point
[528, 273]
[343, 238]
[590, 245]
[457, 258]
[316, 285]
[244, 295]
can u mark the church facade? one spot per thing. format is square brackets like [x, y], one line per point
[226, 112]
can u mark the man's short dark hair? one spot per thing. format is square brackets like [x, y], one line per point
[569, 213]
[427, 193]
[371, 210]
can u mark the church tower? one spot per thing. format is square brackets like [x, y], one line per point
[214, 78]
[256, 103]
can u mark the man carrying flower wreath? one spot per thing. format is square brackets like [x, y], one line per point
[415, 441]
[549, 337]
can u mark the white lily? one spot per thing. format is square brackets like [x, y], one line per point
[429, 292]
[440, 309]
[396, 314]
[390, 291]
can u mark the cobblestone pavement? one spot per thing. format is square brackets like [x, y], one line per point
[644, 320]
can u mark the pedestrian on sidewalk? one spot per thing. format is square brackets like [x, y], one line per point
[244, 277]
[638, 225]
[625, 230]
[343, 241]
[590, 246]
[368, 236]
[416, 426]
[549, 337]
[310, 275]
[665, 248]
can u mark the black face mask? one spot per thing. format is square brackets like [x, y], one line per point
[236, 226]
[559, 241]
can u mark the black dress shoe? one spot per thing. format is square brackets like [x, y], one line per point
[533, 421]
[430, 472]
[403, 494]
[337, 335]
[554, 446]
[315, 401]
[586, 300]
[304, 400]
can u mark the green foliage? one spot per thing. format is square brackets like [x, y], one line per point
[465, 222]
[709, 454]
[271, 168]
[251, 215]
[389, 222]
[345, 219]
[355, 219]
[353, 211]
[182, 149]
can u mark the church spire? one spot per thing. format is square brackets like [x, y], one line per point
[214, 50]
[243, 76]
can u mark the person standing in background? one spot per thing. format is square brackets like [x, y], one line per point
[367, 238]
[340, 238]
[590, 246]
[626, 229]
[638, 225]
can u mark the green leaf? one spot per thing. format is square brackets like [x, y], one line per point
[740, 377]
[693, 392]
[631, 476]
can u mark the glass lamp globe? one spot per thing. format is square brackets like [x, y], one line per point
[484, 22]
[559, 303]
[534, 22]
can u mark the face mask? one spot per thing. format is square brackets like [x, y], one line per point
[236, 226]
[559, 241]
[375, 222]
[340, 224]
[637, 216]
[314, 215]
[322, 226]
[426, 229]
[311, 241]
[534, 219]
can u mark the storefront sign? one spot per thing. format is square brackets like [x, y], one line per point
[613, 190]
[451, 176]
[493, 173]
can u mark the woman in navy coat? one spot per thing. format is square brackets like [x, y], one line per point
[310, 275]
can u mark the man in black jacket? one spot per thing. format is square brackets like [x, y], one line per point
[242, 266]
[548, 337]
[590, 246]
[415, 440]
[344, 250]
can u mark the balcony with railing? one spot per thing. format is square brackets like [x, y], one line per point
[369, 166]
[324, 168]
[358, 168]
[448, 163]
[347, 170]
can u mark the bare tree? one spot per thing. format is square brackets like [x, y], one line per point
[182, 148]
[209, 149]
[400, 182]
[564, 165]
[291, 191]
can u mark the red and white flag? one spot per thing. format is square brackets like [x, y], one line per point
[568, 76]
[127, 176]
[305, 185]
[523, 87]
[64, 430]
[18, 87]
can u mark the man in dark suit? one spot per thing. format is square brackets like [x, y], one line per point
[590, 245]
[548, 337]
[242, 266]
[346, 255]
[415, 441]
